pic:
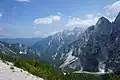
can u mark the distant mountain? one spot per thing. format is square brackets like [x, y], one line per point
[18, 50]
[98, 49]
[25, 41]
[3, 36]
[52, 46]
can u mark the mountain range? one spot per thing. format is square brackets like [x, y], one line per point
[18, 50]
[96, 49]
[25, 41]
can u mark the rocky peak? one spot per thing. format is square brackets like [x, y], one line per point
[117, 18]
[102, 21]
[103, 26]
[116, 24]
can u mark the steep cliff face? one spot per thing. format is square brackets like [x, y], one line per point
[73, 54]
[97, 50]
[113, 61]
[94, 56]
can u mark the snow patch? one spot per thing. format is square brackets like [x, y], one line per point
[48, 45]
[62, 56]
[54, 56]
[49, 42]
[101, 67]
[71, 33]
[25, 52]
[20, 45]
[60, 46]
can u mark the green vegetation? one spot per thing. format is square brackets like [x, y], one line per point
[49, 73]
[34, 67]
[37, 68]
[114, 76]
[82, 76]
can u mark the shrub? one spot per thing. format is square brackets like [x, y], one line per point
[12, 67]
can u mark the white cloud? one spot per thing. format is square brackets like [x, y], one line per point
[115, 7]
[89, 16]
[88, 21]
[53, 32]
[47, 20]
[1, 14]
[55, 18]
[69, 16]
[112, 10]
[43, 21]
[38, 33]
[59, 13]
[23, 0]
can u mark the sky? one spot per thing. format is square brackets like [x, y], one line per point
[40, 18]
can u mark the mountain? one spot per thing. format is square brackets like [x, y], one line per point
[85, 50]
[25, 41]
[97, 50]
[18, 50]
[113, 45]
[53, 45]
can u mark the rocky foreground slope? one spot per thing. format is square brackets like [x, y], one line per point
[10, 72]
